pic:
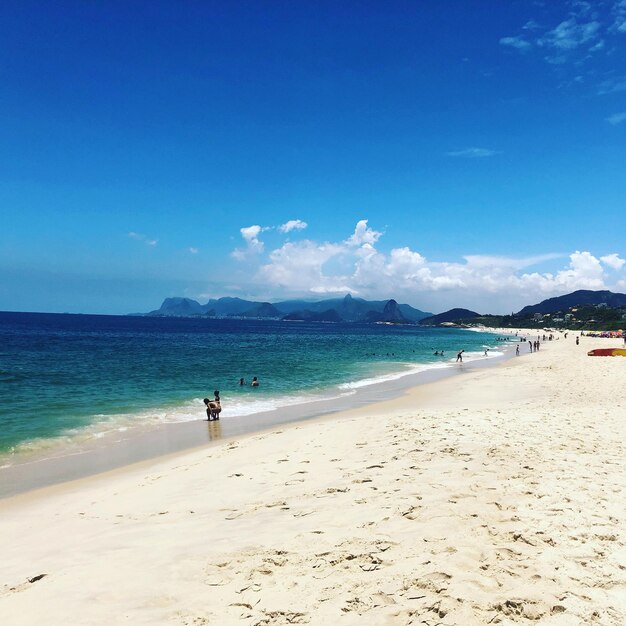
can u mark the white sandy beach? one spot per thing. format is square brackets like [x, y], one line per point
[492, 497]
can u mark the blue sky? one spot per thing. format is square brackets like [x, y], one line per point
[442, 153]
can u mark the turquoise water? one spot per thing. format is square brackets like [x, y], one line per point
[64, 376]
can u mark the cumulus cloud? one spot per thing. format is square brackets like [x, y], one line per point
[287, 227]
[254, 245]
[613, 261]
[357, 266]
[584, 272]
[300, 267]
[363, 235]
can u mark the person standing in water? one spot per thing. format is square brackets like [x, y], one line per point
[255, 382]
[459, 356]
[209, 413]
[213, 407]
[216, 405]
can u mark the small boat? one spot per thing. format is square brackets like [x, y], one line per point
[607, 352]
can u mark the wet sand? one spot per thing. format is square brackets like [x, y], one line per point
[78, 459]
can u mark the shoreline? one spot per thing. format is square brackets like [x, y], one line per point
[115, 450]
[496, 496]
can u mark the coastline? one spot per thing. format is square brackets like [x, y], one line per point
[496, 496]
[116, 449]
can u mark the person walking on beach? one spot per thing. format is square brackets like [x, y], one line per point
[459, 356]
[516, 350]
[530, 345]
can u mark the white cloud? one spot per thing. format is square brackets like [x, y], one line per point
[192, 250]
[254, 245]
[363, 235]
[472, 153]
[144, 238]
[619, 13]
[299, 267]
[584, 29]
[292, 225]
[613, 261]
[516, 42]
[356, 265]
[584, 272]
[616, 118]
[250, 234]
[531, 25]
[569, 35]
[480, 261]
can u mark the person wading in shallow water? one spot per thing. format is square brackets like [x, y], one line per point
[459, 356]
[213, 407]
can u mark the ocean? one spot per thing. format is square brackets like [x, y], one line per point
[77, 377]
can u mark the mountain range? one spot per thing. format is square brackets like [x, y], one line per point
[576, 298]
[612, 304]
[351, 309]
[347, 309]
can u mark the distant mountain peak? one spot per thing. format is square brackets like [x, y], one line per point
[453, 315]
